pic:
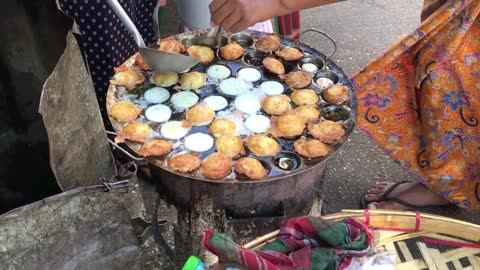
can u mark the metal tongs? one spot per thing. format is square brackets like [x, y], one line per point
[158, 60]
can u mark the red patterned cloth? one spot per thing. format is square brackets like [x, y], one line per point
[302, 243]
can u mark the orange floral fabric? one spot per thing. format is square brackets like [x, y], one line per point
[420, 101]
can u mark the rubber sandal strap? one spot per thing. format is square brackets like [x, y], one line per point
[387, 192]
[385, 198]
[364, 203]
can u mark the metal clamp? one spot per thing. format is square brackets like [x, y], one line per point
[143, 228]
[165, 251]
[325, 35]
[116, 146]
[118, 186]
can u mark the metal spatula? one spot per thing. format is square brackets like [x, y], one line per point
[158, 60]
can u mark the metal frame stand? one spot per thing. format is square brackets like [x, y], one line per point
[202, 214]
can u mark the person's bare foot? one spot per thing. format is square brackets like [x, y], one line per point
[412, 193]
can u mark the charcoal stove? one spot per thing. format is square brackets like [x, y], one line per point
[246, 208]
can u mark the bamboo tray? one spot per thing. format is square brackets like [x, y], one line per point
[419, 241]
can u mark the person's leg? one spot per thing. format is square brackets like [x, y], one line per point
[412, 193]
[417, 101]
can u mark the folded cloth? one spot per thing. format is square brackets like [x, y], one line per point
[302, 243]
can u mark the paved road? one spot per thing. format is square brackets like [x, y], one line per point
[363, 28]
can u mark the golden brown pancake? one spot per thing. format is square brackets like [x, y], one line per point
[273, 65]
[308, 113]
[326, 131]
[232, 51]
[251, 168]
[290, 54]
[185, 163]
[276, 105]
[223, 126]
[304, 97]
[311, 148]
[230, 146]
[336, 94]
[155, 148]
[200, 114]
[171, 45]
[297, 79]
[268, 44]
[204, 54]
[262, 146]
[135, 132]
[287, 126]
[129, 78]
[164, 79]
[125, 111]
[216, 166]
[193, 80]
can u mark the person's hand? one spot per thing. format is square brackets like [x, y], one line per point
[237, 15]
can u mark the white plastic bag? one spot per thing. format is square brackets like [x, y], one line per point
[379, 259]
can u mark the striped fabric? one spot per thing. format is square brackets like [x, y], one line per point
[302, 243]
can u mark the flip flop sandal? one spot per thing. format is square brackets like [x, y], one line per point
[384, 198]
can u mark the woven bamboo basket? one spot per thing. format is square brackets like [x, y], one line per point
[419, 241]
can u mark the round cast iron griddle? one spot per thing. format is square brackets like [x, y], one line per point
[116, 93]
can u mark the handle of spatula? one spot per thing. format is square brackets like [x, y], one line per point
[123, 16]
